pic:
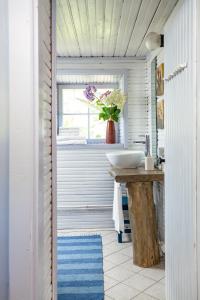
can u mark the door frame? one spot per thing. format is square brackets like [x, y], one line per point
[54, 152]
[23, 149]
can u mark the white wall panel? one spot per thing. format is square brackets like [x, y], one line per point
[23, 142]
[136, 87]
[198, 137]
[151, 67]
[137, 105]
[83, 179]
[29, 84]
[4, 146]
[181, 279]
[84, 187]
[85, 79]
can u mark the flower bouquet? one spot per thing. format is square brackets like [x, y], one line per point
[110, 104]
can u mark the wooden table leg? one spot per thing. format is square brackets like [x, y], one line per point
[144, 225]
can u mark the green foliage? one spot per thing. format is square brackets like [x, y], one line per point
[110, 113]
[110, 104]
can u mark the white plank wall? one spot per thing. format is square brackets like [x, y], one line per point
[137, 105]
[123, 122]
[180, 174]
[45, 181]
[4, 153]
[83, 178]
[136, 87]
[85, 189]
[151, 65]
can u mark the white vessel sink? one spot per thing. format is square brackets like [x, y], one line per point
[125, 159]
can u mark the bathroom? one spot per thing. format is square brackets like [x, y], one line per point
[85, 188]
[100, 160]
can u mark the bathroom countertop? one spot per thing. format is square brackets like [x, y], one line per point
[136, 175]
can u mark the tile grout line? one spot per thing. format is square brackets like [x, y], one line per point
[106, 258]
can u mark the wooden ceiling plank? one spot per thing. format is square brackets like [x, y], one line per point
[85, 28]
[68, 26]
[116, 17]
[100, 25]
[91, 6]
[75, 13]
[61, 50]
[145, 16]
[164, 10]
[64, 40]
[107, 26]
[91, 28]
[129, 15]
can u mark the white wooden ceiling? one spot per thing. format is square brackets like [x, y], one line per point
[108, 27]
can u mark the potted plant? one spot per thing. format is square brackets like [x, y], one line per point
[110, 104]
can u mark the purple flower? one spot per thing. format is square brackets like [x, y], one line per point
[89, 92]
[105, 95]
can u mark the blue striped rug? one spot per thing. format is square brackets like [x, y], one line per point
[80, 268]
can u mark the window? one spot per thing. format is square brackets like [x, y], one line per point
[78, 123]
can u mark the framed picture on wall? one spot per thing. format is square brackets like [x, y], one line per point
[160, 114]
[160, 80]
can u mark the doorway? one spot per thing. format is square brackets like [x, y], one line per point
[76, 56]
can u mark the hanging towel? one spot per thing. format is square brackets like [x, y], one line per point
[118, 217]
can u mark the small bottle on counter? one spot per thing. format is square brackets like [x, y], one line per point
[149, 163]
[149, 160]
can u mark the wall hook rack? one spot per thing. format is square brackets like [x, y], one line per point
[180, 68]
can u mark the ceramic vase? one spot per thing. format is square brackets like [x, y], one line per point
[110, 132]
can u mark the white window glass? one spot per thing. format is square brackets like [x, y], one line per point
[79, 122]
[70, 101]
[97, 128]
[76, 126]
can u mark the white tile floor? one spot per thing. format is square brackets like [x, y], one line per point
[122, 279]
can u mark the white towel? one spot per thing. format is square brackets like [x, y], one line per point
[118, 216]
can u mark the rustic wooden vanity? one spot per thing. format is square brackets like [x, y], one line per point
[142, 212]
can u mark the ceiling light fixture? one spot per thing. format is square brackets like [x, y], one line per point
[154, 40]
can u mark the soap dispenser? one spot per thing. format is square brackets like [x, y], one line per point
[149, 160]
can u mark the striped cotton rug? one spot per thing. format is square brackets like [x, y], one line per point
[80, 268]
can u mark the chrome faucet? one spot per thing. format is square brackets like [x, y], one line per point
[146, 142]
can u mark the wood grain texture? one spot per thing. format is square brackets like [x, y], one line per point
[136, 175]
[144, 227]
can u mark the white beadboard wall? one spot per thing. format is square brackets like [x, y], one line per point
[82, 174]
[4, 153]
[123, 123]
[84, 187]
[45, 180]
[180, 152]
[151, 66]
[137, 105]
[136, 87]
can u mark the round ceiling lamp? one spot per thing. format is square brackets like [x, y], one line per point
[154, 41]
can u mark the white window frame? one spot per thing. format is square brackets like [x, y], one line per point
[61, 87]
